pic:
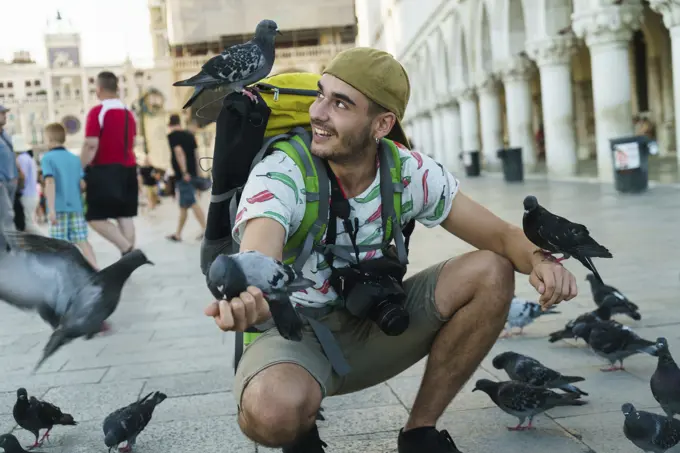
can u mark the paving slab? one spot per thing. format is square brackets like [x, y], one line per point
[161, 341]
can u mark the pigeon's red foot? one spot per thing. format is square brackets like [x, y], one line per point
[519, 427]
[250, 95]
[105, 328]
[613, 368]
[125, 449]
[36, 444]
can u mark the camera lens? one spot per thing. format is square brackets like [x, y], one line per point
[392, 318]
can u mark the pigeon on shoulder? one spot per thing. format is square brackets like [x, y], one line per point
[230, 275]
[648, 431]
[522, 313]
[524, 400]
[126, 423]
[555, 234]
[527, 369]
[52, 277]
[237, 66]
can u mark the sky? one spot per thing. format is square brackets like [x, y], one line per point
[109, 29]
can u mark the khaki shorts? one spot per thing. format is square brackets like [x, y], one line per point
[373, 356]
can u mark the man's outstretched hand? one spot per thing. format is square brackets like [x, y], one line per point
[240, 313]
[553, 282]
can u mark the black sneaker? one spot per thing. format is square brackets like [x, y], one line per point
[310, 443]
[430, 441]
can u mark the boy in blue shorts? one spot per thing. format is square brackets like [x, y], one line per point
[63, 176]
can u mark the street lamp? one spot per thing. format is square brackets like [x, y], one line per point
[139, 80]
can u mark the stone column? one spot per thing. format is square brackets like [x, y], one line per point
[607, 33]
[469, 126]
[452, 146]
[670, 10]
[553, 56]
[437, 135]
[49, 88]
[492, 127]
[516, 75]
[426, 135]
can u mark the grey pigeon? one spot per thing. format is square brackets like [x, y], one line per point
[230, 275]
[614, 342]
[555, 234]
[665, 382]
[126, 423]
[524, 400]
[527, 369]
[618, 302]
[237, 66]
[603, 313]
[34, 415]
[648, 431]
[10, 444]
[522, 313]
[52, 277]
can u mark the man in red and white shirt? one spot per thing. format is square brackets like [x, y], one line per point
[110, 165]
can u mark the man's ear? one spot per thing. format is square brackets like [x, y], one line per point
[384, 123]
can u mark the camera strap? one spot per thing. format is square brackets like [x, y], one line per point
[339, 209]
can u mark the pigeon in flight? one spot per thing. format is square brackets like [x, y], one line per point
[52, 277]
[230, 275]
[555, 234]
[524, 400]
[10, 444]
[617, 301]
[34, 415]
[665, 382]
[603, 313]
[126, 423]
[648, 431]
[527, 369]
[522, 313]
[614, 342]
[237, 66]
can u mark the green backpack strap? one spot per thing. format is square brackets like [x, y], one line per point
[300, 245]
[391, 188]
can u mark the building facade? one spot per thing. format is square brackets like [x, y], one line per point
[558, 78]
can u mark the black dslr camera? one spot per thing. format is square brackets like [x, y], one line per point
[373, 289]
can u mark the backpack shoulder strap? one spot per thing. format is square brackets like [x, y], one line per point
[391, 188]
[300, 245]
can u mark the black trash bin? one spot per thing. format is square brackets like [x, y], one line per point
[631, 164]
[471, 162]
[513, 168]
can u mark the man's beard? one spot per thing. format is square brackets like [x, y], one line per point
[351, 148]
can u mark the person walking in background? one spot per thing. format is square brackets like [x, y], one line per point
[112, 194]
[29, 192]
[184, 163]
[63, 175]
[9, 175]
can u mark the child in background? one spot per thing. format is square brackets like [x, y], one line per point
[64, 183]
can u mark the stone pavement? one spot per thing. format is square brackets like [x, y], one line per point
[162, 341]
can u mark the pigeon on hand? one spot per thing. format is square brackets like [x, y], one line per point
[126, 423]
[522, 313]
[603, 313]
[665, 382]
[555, 234]
[52, 277]
[230, 275]
[529, 370]
[237, 66]
[34, 415]
[10, 444]
[617, 301]
[614, 342]
[648, 431]
[524, 400]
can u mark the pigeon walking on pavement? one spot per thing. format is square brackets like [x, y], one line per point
[614, 342]
[665, 382]
[522, 313]
[126, 423]
[230, 275]
[52, 277]
[10, 444]
[529, 370]
[617, 301]
[648, 431]
[237, 66]
[602, 313]
[34, 415]
[524, 400]
[555, 234]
